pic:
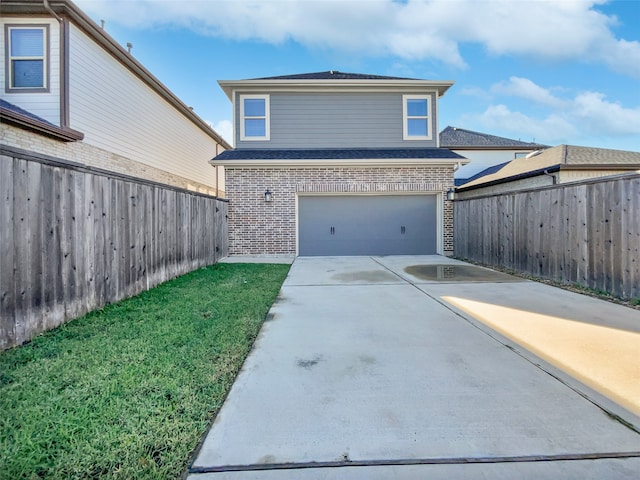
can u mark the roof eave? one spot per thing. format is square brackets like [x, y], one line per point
[491, 147]
[355, 162]
[28, 123]
[512, 178]
[228, 86]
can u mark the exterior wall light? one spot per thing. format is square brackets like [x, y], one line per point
[268, 196]
[451, 194]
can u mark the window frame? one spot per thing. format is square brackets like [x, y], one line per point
[406, 117]
[266, 117]
[9, 59]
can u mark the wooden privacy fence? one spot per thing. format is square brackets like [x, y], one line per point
[587, 233]
[73, 239]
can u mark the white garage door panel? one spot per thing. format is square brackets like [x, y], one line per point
[367, 225]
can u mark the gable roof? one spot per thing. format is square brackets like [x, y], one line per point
[556, 158]
[332, 75]
[454, 137]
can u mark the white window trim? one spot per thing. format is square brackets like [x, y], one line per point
[267, 118]
[405, 118]
[9, 87]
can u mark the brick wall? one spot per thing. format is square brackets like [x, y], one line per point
[259, 227]
[89, 155]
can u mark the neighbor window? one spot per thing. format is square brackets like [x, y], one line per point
[26, 53]
[254, 117]
[416, 111]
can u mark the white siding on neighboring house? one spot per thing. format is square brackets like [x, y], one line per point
[117, 112]
[483, 159]
[43, 104]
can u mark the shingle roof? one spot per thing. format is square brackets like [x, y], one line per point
[452, 137]
[339, 154]
[557, 157]
[21, 111]
[332, 75]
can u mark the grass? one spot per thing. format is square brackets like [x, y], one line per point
[128, 391]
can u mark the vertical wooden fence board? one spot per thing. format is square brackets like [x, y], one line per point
[21, 235]
[87, 229]
[7, 248]
[634, 237]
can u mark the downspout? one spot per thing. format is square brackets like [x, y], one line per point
[64, 65]
[554, 179]
[216, 167]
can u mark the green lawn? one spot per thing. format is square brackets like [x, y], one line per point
[127, 392]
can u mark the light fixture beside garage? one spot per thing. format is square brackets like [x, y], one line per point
[268, 196]
[451, 194]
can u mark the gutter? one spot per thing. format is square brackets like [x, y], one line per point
[533, 173]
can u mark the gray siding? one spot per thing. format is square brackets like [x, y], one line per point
[336, 120]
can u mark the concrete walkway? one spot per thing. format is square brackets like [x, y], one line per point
[412, 367]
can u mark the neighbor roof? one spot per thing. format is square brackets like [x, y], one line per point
[454, 137]
[16, 109]
[483, 173]
[14, 115]
[553, 159]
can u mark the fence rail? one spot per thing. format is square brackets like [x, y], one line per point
[73, 239]
[587, 233]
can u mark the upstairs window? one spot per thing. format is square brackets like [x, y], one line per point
[254, 117]
[416, 116]
[26, 53]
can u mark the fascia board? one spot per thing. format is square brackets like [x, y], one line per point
[266, 86]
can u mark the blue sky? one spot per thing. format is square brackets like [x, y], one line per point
[547, 71]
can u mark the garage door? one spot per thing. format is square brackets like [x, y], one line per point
[367, 225]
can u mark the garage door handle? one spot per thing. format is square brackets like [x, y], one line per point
[402, 229]
[333, 230]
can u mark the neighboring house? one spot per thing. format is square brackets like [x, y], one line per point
[483, 150]
[70, 91]
[561, 164]
[334, 163]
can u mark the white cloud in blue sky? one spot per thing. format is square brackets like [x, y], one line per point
[417, 29]
[561, 71]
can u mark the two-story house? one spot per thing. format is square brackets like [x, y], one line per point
[336, 163]
[70, 91]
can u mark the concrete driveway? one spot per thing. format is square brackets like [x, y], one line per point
[409, 367]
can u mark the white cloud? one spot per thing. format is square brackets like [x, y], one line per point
[411, 30]
[525, 88]
[587, 114]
